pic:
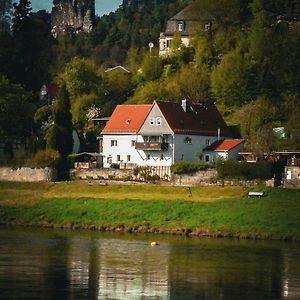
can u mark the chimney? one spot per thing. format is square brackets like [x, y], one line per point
[185, 105]
[219, 133]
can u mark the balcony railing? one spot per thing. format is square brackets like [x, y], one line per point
[151, 146]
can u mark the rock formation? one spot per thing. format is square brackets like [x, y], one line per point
[72, 16]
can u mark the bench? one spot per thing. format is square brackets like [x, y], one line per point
[255, 194]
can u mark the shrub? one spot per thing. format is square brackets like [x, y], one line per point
[45, 158]
[184, 167]
[245, 170]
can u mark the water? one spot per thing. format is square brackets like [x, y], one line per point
[51, 264]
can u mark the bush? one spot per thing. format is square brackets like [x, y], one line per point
[234, 169]
[44, 158]
[184, 167]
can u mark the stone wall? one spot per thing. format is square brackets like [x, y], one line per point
[198, 178]
[26, 174]
[106, 174]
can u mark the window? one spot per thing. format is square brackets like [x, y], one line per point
[182, 156]
[168, 43]
[128, 158]
[207, 142]
[180, 26]
[207, 26]
[151, 121]
[118, 157]
[148, 157]
[132, 143]
[113, 143]
[158, 121]
[207, 158]
[188, 140]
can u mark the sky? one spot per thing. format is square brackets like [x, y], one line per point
[102, 6]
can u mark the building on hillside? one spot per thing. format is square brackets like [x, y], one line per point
[117, 69]
[291, 176]
[182, 24]
[160, 134]
[48, 94]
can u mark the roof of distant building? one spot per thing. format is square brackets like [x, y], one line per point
[224, 145]
[127, 118]
[118, 68]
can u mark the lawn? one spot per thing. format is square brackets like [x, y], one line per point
[211, 210]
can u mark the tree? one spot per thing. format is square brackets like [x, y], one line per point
[151, 67]
[59, 135]
[80, 76]
[16, 110]
[230, 80]
[31, 55]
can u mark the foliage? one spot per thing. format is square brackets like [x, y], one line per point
[188, 167]
[146, 174]
[16, 110]
[235, 169]
[81, 106]
[80, 76]
[43, 115]
[44, 158]
[59, 136]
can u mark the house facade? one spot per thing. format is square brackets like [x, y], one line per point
[182, 24]
[223, 149]
[160, 134]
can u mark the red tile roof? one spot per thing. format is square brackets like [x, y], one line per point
[223, 145]
[203, 119]
[127, 118]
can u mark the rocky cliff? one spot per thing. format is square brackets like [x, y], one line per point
[72, 16]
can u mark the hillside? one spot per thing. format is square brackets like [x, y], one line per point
[247, 63]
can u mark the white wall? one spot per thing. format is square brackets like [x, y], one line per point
[164, 50]
[198, 143]
[139, 157]
[123, 148]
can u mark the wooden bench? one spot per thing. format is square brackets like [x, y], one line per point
[255, 194]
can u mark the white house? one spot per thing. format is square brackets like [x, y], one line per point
[182, 23]
[160, 134]
[225, 149]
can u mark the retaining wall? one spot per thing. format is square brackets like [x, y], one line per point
[26, 174]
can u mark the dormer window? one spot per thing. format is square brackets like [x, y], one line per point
[180, 26]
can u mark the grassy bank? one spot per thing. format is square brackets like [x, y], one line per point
[199, 211]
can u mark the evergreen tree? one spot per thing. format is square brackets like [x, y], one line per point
[59, 136]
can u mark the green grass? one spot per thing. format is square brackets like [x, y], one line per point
[215, 209]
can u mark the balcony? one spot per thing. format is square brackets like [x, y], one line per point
[151, 146]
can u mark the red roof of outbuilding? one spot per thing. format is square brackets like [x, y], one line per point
[223, 145]
[127, 118]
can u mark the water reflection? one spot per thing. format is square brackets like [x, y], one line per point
[47, 264]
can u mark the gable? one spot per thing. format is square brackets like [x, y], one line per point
[154, 127]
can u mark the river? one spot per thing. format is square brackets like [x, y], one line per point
[60, 264]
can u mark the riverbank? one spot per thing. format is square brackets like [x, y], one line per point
[196, 211]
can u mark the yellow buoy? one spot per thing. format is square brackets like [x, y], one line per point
[154, 243]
